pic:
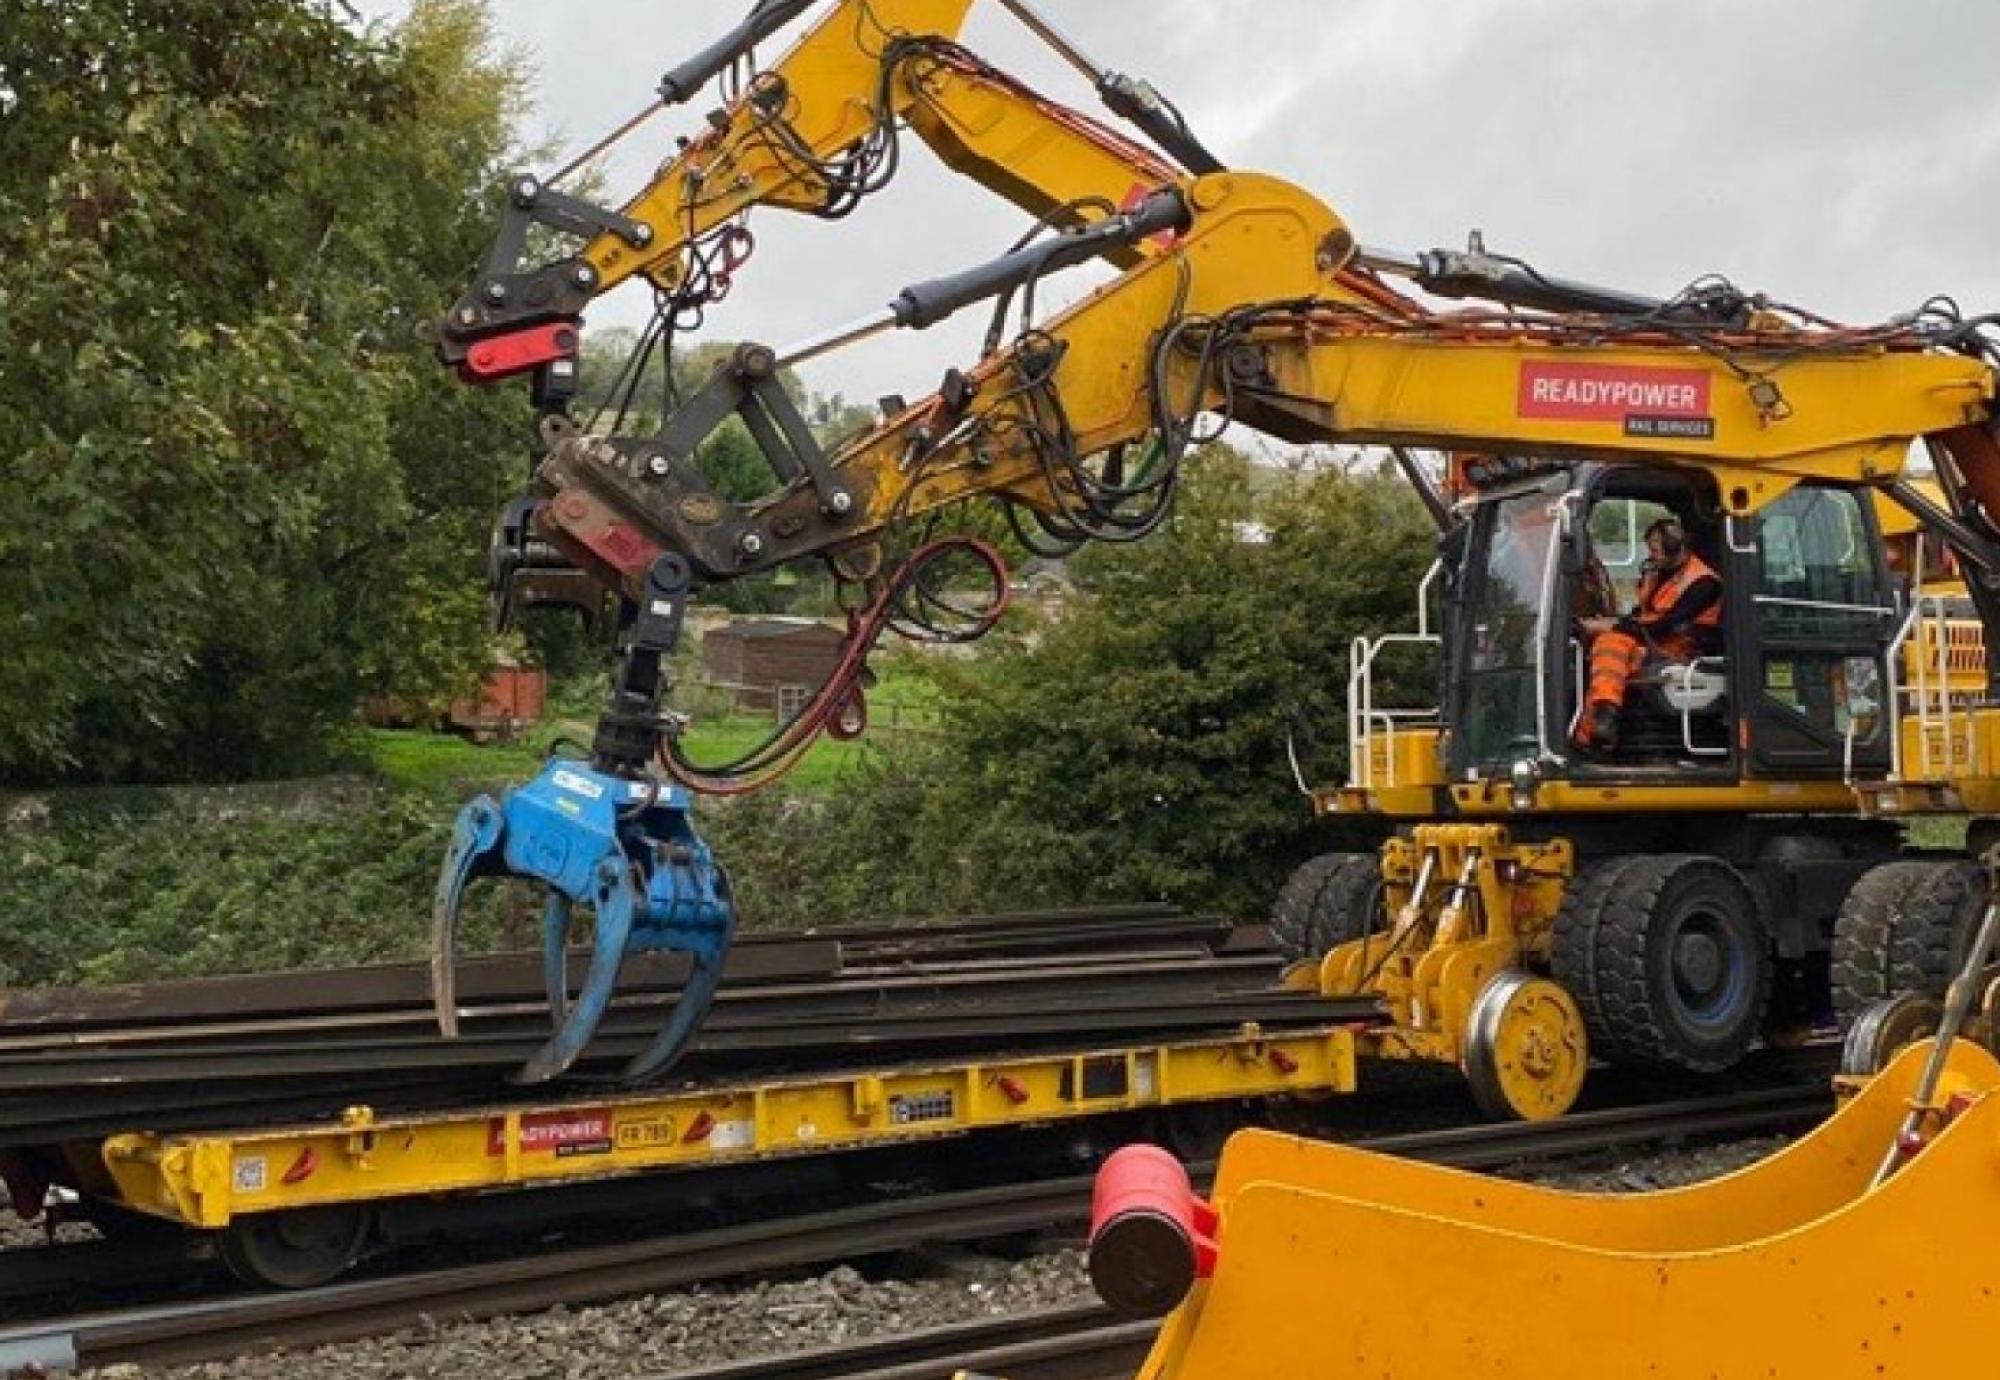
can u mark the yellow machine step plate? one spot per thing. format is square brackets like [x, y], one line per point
[204, 1180]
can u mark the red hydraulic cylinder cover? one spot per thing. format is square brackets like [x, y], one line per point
[1151, 1238]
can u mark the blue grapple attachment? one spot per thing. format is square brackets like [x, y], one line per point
[610, 837]
[627, 851]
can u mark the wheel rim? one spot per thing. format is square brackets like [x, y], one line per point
[1709, 966]
[1526, 1053]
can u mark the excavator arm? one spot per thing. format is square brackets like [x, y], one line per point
[1249, 313]
[815, 134]
[1131, 364]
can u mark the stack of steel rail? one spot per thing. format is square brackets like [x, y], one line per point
[235, 1051]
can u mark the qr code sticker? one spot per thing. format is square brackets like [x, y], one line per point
[251, 1175]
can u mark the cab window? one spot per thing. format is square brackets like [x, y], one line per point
[1817, 571]
[1618, 540]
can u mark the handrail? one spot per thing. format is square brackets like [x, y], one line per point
[1895, 696]
[1931, 695]
[1581, 688]
[1362, 715]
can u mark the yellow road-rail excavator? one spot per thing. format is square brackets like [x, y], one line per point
[1637, 825]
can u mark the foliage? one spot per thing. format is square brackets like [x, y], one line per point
[148, 885]
[138, 886]
[235, 493]
[452, 766]
[1139, 748]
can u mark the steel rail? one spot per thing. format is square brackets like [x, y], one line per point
[376, 987]
[838, 997]
[1160, 975]
[842, 995]
[185, 1092]
[228, 1327]
[1079, 1342]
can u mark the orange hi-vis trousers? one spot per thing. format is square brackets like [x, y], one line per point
[1616, 657]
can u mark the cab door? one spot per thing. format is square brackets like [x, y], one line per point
[1813, 633]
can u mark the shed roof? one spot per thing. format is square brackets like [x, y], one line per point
[766, 629]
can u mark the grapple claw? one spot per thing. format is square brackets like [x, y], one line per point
[699, 992]
[627, 851]
[555, 956]
[475, 841]
[613, 899]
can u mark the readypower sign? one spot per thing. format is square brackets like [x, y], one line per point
[1645, 401]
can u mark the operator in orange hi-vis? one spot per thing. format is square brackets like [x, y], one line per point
[1678, 618]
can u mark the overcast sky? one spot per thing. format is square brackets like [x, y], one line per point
[1843, 154]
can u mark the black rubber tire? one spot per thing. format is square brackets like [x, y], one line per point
[1930, 931]
[1647, 914]
[1325, 903]
[1572, 953]
[1861, 935]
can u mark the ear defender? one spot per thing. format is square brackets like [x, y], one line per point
[1673, 540]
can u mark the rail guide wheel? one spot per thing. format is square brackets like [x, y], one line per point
[302, 1248]
[1525, 1049]
[1884, 1029]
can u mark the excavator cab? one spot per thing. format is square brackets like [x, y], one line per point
[1791, 685]
[1677, 708]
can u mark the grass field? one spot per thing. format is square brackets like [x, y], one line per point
[416, 760]
[900, 702]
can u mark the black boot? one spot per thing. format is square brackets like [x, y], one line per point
[1604, 729]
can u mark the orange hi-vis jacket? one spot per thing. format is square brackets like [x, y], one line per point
[1657, 598]
[1618, 654]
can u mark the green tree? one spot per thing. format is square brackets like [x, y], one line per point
[1138, 747]
[235, 492]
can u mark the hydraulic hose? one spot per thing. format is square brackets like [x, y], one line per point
[766, 18]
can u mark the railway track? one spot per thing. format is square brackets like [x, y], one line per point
[182, 1333]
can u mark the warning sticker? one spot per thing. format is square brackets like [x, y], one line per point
[733, 1135]
[585, 1131]
[1672, 403]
